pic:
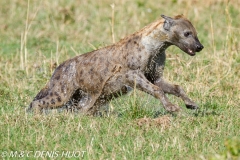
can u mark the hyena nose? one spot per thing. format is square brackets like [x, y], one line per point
[199, 47]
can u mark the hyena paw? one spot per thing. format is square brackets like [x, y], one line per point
[172, 108]
[33, 108]
[29, 109]
[191, 105]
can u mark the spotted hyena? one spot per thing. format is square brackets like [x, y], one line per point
[93, 79]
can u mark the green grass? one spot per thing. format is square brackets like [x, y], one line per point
[34, 38]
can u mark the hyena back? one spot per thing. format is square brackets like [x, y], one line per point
[138, 60]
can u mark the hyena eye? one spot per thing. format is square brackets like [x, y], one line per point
[186, 34]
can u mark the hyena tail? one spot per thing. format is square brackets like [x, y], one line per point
[40, 95]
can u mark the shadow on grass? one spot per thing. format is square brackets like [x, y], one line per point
[134, 112]
[205, 112]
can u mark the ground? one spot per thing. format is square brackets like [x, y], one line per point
[37, 36]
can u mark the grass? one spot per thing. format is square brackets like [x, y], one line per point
[37, 35]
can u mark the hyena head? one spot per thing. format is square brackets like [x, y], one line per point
[180, 32]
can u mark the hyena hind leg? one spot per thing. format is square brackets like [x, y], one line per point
[51, 100]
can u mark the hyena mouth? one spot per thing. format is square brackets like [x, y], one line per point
[189, 51]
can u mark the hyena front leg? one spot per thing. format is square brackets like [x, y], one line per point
[87, 104]
[177, 91]
[135, 78]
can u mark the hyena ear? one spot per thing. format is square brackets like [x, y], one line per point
[168, 23]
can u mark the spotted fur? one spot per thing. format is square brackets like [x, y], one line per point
[92, 79]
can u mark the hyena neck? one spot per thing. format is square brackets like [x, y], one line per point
[155, 47]
[156, 41]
